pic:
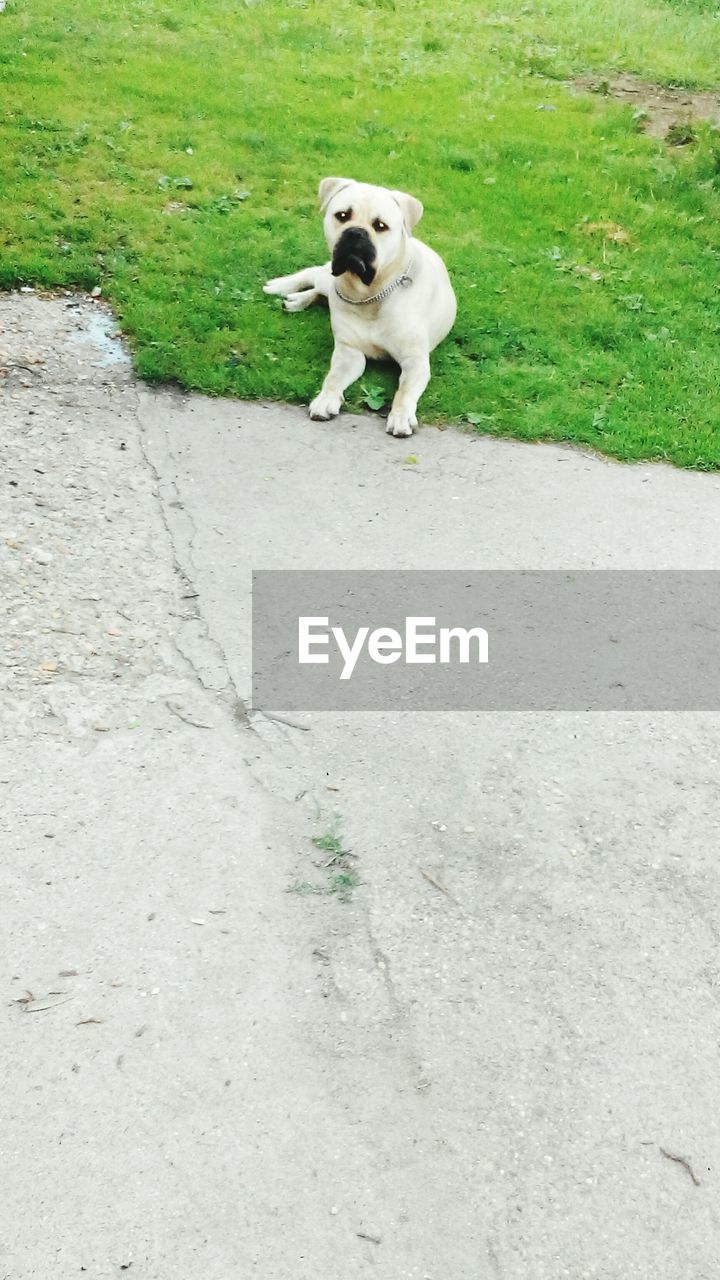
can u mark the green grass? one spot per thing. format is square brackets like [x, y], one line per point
[236, 110]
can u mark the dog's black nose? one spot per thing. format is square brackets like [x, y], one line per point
[355, 251]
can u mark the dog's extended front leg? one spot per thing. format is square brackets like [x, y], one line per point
[345, 367]
[414, 377]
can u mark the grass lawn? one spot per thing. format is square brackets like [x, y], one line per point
[171, 153]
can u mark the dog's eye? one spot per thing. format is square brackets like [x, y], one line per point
[379, 225]
[343, 215]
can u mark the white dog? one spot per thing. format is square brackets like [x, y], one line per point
[389, 294]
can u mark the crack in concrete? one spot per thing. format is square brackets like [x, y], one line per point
[400, 1015]
[228, 695]
[382, 963]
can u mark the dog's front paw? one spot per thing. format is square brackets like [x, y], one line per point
[326, 405]
[400, 423]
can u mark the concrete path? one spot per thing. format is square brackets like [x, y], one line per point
[206, 1075]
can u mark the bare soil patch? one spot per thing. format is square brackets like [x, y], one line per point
[663, 108]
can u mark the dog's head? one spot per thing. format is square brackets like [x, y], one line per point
[365, 227]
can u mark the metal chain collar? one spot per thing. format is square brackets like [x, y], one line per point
[402, 280]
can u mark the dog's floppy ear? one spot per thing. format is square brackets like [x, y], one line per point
[328, 188]
[412, 210]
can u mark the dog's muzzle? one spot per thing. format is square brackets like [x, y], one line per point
[355, 252]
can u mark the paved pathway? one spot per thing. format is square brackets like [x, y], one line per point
[206, 1075]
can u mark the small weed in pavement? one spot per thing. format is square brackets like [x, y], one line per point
[343, 878]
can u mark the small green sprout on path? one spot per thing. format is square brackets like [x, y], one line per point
[343, 884]
[343, 878]
[330, 844]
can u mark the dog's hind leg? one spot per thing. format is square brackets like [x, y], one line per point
[305, 298]
[300, 280]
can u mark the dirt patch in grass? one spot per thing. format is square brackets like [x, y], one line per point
[662, 111]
